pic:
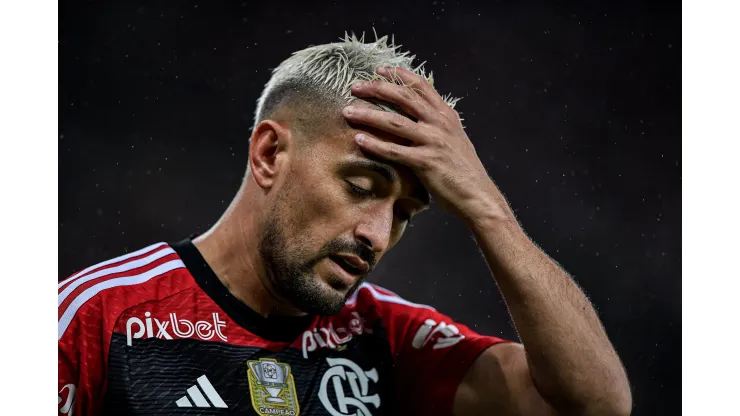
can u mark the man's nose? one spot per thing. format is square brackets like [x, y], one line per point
[375, 229]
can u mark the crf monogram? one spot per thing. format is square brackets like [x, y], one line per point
[346, 371]
[181, 328]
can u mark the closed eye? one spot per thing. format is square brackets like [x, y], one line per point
[360, 192]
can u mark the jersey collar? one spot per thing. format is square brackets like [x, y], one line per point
[272, 328]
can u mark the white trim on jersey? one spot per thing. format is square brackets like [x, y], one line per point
[384, 298]
[80, 300]
[118, 269]
[352, 299]
[383, 291]
[111, 261]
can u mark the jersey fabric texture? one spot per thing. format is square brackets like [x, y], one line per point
[155, 332]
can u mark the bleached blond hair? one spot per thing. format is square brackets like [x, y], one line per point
[323, 75]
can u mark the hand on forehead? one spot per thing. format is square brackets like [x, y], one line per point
[404, 173]
[376, 132]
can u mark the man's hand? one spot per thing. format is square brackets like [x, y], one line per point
[440, 153]
[569, 365]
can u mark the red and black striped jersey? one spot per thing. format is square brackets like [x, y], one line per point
[155, 332]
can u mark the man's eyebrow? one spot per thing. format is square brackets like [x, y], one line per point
[380, 168]
[389, 175]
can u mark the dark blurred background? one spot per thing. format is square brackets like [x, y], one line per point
[575, 109]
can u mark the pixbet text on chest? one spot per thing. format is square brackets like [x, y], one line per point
[180, 328]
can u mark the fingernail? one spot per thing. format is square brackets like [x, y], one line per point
[358, 84]
[360, 138]
[382, 70]
[349, 110]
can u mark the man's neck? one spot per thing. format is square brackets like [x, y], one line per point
[231, 250]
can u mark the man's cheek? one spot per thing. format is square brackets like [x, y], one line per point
[325, 205]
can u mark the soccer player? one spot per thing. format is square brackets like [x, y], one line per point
[269, 313]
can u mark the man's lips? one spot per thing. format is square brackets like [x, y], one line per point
[351, 263]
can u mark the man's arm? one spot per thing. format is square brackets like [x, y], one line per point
[569, 364]
[499, 383]
[570, 361]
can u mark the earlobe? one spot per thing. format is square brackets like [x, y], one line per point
[267, 141]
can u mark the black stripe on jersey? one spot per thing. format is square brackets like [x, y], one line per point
[149, 377]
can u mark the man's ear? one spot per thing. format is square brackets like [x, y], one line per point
[269, 139]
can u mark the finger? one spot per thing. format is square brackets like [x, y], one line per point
[392, 123]
[406, 99]
[414, 81]
[405, 155]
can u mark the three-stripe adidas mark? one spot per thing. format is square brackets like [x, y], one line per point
[197, 397]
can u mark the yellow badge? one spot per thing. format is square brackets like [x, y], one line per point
[272, 388]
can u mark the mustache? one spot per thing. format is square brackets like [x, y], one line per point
[342, 246]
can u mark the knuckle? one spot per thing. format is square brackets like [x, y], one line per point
[437, 156]
[444, 124]
[397, 120]
[424, 164]
[448, 120]
[438, 140]
[407, 94]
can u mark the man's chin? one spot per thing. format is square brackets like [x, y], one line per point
[335, 295]
[325, 307]
[337, 284]
[321, 299]
[320, 292]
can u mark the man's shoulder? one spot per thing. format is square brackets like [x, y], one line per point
[125, 273]
[108, 288]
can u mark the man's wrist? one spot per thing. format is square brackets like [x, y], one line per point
[488, 212]
[494, 222]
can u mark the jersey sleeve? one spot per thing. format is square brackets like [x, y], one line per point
[432, 352]
[89, 305]
[81, 362]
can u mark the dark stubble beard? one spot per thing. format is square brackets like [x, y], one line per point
[291, 274]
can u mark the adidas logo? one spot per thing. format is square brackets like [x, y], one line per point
[197, 397]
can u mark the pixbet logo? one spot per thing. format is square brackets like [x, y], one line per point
[180, 328]
[332, 337]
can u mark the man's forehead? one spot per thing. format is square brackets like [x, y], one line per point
[392, 173]
[350, 152]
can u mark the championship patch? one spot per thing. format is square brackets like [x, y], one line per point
[272, 388]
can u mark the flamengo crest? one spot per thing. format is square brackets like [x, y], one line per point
[359, 401]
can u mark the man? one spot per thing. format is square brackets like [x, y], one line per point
[269, 313]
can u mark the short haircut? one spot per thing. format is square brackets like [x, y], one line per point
[317, 81]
